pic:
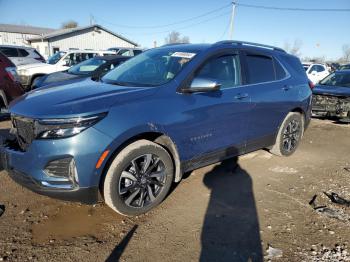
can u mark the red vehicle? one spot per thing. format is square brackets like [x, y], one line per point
[10, 88]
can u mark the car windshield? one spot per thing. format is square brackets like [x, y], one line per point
[152, 68]
[337, 79]
[55, 58]
[86, 67]
[343, 67]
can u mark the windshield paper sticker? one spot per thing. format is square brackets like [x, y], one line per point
[183, 55]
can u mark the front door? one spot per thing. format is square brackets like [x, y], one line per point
[214, 123]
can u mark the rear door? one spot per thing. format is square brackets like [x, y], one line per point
[269, 95]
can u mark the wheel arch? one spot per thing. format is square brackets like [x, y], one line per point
[156, 137]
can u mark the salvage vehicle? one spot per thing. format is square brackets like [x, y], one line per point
[126, 51]
[10, 88]
[331, 97]
[60, 61]
[93, 68]
[22, 55]
[164, 112]
[316, 72]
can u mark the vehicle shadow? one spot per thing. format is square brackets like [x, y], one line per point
[231, 227]
[119, 249]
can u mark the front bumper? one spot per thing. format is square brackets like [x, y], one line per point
[326, 105]
[29, 168]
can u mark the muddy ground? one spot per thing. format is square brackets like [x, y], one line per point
[217, 213]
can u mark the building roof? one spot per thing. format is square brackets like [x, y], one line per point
[62, 32]
[25, 29]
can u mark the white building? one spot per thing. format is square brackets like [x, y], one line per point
[19, 34]
[89, 37]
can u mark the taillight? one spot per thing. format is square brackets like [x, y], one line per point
[12, 73]
[311, 85]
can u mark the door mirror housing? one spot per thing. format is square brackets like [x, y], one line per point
[200, 84]
[314, 72]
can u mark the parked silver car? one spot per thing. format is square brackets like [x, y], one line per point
[21, 55]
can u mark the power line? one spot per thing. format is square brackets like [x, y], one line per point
[183, 27]
[293, 9]
[167, 25]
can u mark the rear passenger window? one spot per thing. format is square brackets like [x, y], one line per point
[225, 70]
[280, 73]
[260, 69]
[9, 52]
[23, 52]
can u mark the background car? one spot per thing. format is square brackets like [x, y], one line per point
[315, 71]
[331, 97]
[126, 51]
[94, 67]
[21, 55]
[343, 67]
[9, 84]
[60, 61]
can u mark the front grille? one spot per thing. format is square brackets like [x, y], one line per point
[25, 133]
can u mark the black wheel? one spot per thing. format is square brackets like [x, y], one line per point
[139, 178]
[289, 135]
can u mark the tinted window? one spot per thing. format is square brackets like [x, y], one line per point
[136, 52]
[9, 52]
[294, 64]
[125, 52]
[260, 69]
[23, 52]
[225, 70]
[280, 73]
[319, 68]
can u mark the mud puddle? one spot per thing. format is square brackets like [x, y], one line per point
[74, 221]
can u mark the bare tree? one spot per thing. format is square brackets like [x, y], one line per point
[69, 24]
[346, 53]
[174, 37]
[294, 48]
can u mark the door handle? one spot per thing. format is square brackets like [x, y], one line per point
[286, 87]
[241, 96]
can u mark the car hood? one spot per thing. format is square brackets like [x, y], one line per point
[60, 78]
[331, 90]
[77, 99]
[34, 65]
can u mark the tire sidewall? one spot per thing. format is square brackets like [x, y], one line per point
[289, 118]
[121, 161]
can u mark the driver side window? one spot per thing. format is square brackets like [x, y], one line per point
[225, 70]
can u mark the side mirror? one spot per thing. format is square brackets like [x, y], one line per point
[203, 85]
[313, 73]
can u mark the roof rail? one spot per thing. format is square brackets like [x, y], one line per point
[243, 43]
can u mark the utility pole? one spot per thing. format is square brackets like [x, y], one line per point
[232, 20]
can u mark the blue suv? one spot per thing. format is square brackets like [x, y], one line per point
[167, 111]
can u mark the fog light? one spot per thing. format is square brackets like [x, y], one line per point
[63, 168]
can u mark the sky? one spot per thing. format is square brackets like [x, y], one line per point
[319, 33]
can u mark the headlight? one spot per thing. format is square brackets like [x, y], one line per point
[64, 127]
[22, 72]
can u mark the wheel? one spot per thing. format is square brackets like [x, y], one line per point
[139, 178]
[289, 135]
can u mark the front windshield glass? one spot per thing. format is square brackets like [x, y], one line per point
[337, 79]
[55, 58]
[151, 68]
[86, 67]
[343, 67]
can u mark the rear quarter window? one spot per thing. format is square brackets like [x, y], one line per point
[293, 63]
[23, 53]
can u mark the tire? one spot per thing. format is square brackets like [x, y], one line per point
[289, 135]
[126, 175]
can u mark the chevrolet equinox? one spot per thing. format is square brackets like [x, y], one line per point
[165, 112]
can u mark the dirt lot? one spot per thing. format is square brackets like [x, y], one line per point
[215, 214]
